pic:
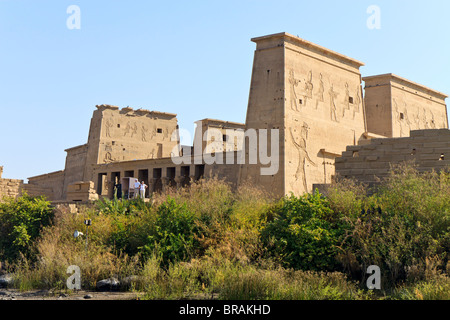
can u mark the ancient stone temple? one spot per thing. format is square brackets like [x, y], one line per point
[308, 118]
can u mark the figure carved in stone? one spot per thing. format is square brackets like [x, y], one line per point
[424, 119]
[416, 118]
[127, 129]
[432, 122]
[308, 88]
[320, 91]
[346, 100]
[357, 102]
[292, 84]
[108, 126]
[108, 158]
[303, 156]
[333, 96]
[134, 129]
[144, 132]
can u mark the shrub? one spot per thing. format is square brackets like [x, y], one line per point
[21, 221]
[403, 223]
[302, 233]
[173, 234]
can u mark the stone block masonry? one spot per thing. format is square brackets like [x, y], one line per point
[428, 149]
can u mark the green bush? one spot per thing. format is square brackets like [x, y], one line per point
[21, 221]
[173, 235]
[404, 222]
[302, 233]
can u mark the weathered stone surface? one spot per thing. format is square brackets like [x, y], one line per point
[110, 284]
[6, 280]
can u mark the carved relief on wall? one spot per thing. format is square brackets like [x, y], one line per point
[144, 131]
[108, 126]
[293, 95]
[108, 158]
[299, 140]
[346, 100]
[127, 129]
[320, 92]
[357, 102]
[308, 88]
[134, 129]
[333, 95]
[402, 119]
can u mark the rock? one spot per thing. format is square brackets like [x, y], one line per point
[110, 284]
[128, 281]
[88, 296]
[6, 280]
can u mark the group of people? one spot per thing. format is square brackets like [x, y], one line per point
[139, 189]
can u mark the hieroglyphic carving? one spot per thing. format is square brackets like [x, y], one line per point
[108, 158]
[293, 95]
[303, 156]
[333, 95]
[143, 133]
[320, 92]
[432, 122]
[127, 129]
[402, 119]
[424, 119]
[134, 129]
[357, 102]
[108, 126]
[308, 88]
[346, 100]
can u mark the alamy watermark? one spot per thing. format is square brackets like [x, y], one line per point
[74, 20]
[374, 281]
[216, 146]
[74, 281]
[374, 20]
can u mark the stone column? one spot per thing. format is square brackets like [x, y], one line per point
[179, 181]
[152, 185]
[165, 183]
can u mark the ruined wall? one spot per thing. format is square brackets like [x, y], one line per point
[429, 149]
[10, 187]
[15, 188]
[52, 182]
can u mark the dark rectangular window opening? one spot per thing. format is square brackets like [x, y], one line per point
[157, 174]
[129, 174]
[350, 100]
[402, 116]
[185, 173]
[199, 171]
[159, 130]
[171, 175]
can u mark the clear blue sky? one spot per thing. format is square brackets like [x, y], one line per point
[193, 58]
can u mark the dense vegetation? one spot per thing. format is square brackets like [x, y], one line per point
[206, 241]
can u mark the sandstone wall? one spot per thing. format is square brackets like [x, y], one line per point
[10, 187]
[51, 183]
[430, 149]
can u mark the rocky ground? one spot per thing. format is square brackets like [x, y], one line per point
[13, 294]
